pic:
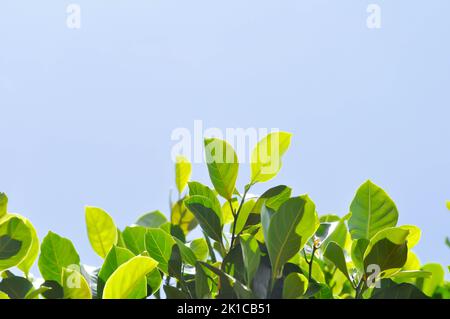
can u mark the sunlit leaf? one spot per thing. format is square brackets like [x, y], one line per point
[414, 235]
[3, 205]
[372, 210]
[116, 257]
[223, 166]
[134, 238]
[266, 157]
[182, 217]
[75, 285]
[200, 248]
[183, 170]
[429, 285]
[159, 245]
[15, 242]
[101, 230]
[57, 253]
[126, 282]
[152, 220]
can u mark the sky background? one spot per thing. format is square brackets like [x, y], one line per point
[86, 116]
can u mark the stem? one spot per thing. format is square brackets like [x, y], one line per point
[359, 288]
[310, 262]
[236, 216]
[210, 248]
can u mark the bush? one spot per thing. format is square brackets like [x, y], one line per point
[271, 246]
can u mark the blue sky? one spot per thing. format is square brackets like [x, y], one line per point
[87, 115]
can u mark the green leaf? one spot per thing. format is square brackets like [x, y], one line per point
[15, 287]
[175, 263]
[33, 251]
[26, 264]
[200, 248]
[338, 233]
[309, 223]
[402, 291]
[411, 274]
[182, 217]
[116, 257]
[198, 189]
[134, 238]
[227, 213]
[159, 245]
[389, 256]
[152, 220]
[251, 255]
[54, 290]
[266, 157]
[295, 286]
[15, 242]
[187, 253]
[3, 205]
[174, 293]
[203, 209]
[429, 285]
[183, 170]
[9, 247]
[359, 248]
[229, 286]
[126, 282]
[335, 254]
[154, 281]
[282, 240]
[34, 294]
[372, 210]
[57, 253]
[272, 198]
[223, 166]
[75, 285]
[102, 231]
[246, 209]
[202, 283]
[397, 235]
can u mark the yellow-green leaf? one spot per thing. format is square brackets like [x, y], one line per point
[75, 285]
[125, 281]
[183, 170]
[102, 231]
[414, 235]
[3, 205]
[15, 242]
[266, 157]
[33, 252]
[181, 216]
[223, 166]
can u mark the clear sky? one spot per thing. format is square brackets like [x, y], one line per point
[86, 115]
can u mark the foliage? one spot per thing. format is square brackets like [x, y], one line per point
[272, 246]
